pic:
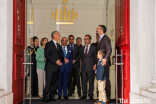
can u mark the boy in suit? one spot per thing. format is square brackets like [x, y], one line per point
[101, 76]
[64, 69]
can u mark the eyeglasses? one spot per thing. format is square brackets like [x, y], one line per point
[86, 39]
[64, 40]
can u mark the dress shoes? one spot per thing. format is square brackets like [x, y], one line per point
[55, 92]
[66, 98]
[52, 99]
[108, 100]
[96, 100]
[83, 97]
[46, 100]
[79, 95]
[59, 98]
[91, 98]
[69, 94]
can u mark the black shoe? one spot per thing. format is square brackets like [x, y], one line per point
[69, 94]
[52, 99]
[66, 97]
[55, 92]
[79, 95]
[83, 97]
[91, 98]
[59, 98]
[45, 100]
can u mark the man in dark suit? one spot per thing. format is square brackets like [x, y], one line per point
[105, 44]
[64, 69]
[88, 57]
[75, 72]
[53, 55]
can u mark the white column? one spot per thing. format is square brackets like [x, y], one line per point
[153, 81]
[6, 44]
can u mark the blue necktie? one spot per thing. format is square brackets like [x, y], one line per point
[64, 51]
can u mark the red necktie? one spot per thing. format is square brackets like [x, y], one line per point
[86, 51]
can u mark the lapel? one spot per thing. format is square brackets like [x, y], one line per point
[101, 40]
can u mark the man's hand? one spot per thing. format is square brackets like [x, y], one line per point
[58, 63]
[74, 61]
[66, 60]
[104, 61]
[99, 80]
[94, 67]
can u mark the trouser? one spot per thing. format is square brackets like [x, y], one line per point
[41, 80]
[108, 84]
[62, 80]
[76, 73]
[34, 81]
[51, 84]
[101, 89]
[88, 76]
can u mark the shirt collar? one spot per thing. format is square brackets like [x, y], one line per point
[102, 36]
[54, 41]
[72, 44]
[100, 59]
[88, 45]
[64, 46]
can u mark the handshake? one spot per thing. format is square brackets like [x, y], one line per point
[60, 64]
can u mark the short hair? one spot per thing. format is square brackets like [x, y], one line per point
[102, 52]
[64, 37]
[42, 40]
[103, 28]
[71, 36]
[53, 33]
[34, 38]
[79, 38]
[89, 36]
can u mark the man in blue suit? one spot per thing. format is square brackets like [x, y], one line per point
[64, 69]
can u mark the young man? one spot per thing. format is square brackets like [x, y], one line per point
[64, 69]
[75, 72]
[88, 57]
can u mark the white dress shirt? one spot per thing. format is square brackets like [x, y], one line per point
[101, 37]
[55, 43]
[65, 49]
[88, 48]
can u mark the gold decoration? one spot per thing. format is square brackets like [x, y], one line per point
[72, 14]
[68, 15]
[60, 15]
[64, 1]
[56, 14]
[53, 14]
[65, 23]
[64, 13]
[32, 14]
[76, 15]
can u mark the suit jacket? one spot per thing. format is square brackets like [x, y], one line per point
[52, 54]
[67, 67]
[89, 60]
[101, 72]
[105, 44]
[76, 55]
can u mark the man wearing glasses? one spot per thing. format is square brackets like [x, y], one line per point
[64, 69]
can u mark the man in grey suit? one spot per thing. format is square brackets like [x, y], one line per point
[105, 44]
[75, 72]
[88, 57]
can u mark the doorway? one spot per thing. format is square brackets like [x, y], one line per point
[79, 17]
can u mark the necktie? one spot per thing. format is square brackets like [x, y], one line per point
[64, 51]
[86, 51]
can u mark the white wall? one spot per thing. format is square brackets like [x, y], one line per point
[6, 34]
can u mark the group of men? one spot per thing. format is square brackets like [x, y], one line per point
[63, 65]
